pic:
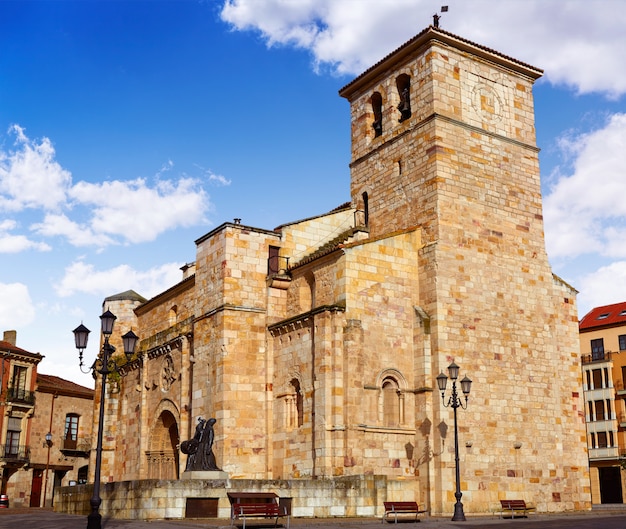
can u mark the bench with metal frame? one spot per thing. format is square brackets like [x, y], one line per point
[401, 507]
[515, 506]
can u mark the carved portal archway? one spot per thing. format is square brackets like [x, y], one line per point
[163, 452]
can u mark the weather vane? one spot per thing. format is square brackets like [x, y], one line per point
[436, 17]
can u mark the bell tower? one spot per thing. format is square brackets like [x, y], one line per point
[438, 121]
[443, 142]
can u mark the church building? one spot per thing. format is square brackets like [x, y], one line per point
[316, 345]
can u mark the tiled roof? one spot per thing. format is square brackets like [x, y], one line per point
[434, 33]
[605, 316]
[10, 348]
[129, 295]
[327, 247]
[54, 384]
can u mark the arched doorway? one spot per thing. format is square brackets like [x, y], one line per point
[163, 452]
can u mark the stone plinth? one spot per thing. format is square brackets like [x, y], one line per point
[205, 474]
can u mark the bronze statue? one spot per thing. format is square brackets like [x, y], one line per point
[199, 450]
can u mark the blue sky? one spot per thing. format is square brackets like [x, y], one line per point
[128, 129]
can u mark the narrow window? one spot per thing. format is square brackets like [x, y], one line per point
[599, 406]
[391, 402]
[70, 437]
[12, 445]
[294, 405]
[597, 349]
[272, 260]
[597, 379]
[602, 441]
[299, 411]
[377, 109]
[622, 342]
[173, 315]
[18, 383]
[366, 209]
[403, 83]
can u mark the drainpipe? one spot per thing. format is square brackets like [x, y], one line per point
[49, 443]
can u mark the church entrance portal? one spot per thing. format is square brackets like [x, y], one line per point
[163, 454]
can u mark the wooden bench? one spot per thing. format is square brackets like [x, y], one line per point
[515, 506]
[258, 510]
[401, 507]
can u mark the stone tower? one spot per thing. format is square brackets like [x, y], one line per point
[443, 139]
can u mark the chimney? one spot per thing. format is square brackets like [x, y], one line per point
[10, 336]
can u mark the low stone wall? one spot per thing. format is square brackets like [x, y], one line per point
[355, 496]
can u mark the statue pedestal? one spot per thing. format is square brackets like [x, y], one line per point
[204, 474]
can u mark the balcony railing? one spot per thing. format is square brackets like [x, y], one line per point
[80, 447]
[590, 358]
[21, 396]
[15, 454]
[604, 453]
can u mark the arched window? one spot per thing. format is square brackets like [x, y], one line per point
[82, 474]
[294, 405]
[173, 315]
[403, 83]
[392, 403]
[377, 109]
[70, 434]
[298, 412]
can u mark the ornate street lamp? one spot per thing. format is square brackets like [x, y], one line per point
[106, 367]
[455, 402]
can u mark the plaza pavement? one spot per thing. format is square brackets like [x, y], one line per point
[46, 519]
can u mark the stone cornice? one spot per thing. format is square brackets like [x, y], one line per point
[299, 321]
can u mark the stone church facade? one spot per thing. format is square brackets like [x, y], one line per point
[316, 345]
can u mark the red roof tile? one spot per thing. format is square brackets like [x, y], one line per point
[10, 348]
[605, 316]
[53, 384]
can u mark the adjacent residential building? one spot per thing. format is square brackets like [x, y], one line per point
[63, 419]
[603, 350]
[45, 428]
[316, 345]
[18, 379]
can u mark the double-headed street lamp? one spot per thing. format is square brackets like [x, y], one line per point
[455, 402]
[105, 367]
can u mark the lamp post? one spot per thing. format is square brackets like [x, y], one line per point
[81, 333]
[455, 402]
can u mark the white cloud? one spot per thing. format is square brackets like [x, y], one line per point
[55, 225]
[83, 277]
[216, 179]
[30, 177]
[16, 307]
[604, 286]
[17, 243]
[138, 213]
[92, 214]
[585, 212]
[578, 43]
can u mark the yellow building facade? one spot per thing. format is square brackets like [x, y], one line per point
[316, 345]
[603, 354]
